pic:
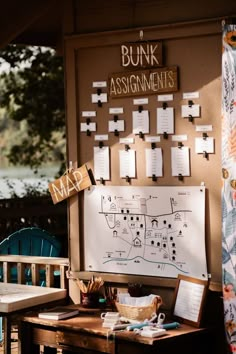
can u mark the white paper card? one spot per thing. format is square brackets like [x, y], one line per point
[193, 111]
[188, 301]
[102, 97]
[127, 163]
[189, 95]
[180, 161]
[101, 137]
[164, 98]
[182, 137]
[165, 120]
[119, 125]
[204, 128]
[89, 114]
[99, 84]
[140, 122]
[154, 162]
[101, 163]
[126, 140]
[116, 110]
[152, 139]
[204, 145]
[91, 126]
[140, 101]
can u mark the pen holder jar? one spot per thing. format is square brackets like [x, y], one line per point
[90, 300]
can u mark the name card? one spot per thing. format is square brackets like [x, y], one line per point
[69, 184]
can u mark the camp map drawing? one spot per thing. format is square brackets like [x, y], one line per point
[153, 231]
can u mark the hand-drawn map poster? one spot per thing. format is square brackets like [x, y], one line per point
[154, 231]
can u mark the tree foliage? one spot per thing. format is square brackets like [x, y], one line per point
[32, 92]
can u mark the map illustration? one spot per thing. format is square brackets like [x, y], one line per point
[156, 231]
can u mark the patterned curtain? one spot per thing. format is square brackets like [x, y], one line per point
[229, 181]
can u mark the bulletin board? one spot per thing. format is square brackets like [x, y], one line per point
[91, 60]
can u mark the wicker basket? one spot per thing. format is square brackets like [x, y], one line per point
[139, 313]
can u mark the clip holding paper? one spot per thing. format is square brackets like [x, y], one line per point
[190, 103]
[190, 118]
[205, 154]
[180, 144]
[101, 144]
[115, 118]
[127, 147]
[127, 178]
[154, 178]
[204, 136]
[180, 177]
[153, 145]
[164, 105]
[140, 109]
[102, 180]
[116, 132]
[165, 135]
[88, 121]
[141, 135]
[88, 132]
[99, 91]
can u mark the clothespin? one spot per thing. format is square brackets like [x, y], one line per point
[115, 118]
[180, 177]
[127, 147]
[140, 109]
[205, 136]
[153, 145]
[205, 154]
[101, 144]
[102, 181]
[88, 132]
[190, 118]
[165, 135]
[116, 132]
[154, 178]
[180, 144]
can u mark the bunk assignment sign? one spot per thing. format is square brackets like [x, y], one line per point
[69, 184]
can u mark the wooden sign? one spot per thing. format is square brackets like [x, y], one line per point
[145, 82]
[141, 54]
[69, 184]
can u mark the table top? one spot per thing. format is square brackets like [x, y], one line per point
[14, 297]
[91, 323]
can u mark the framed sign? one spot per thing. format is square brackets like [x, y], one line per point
[189, 299]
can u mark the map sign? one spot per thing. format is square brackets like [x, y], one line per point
[154, 231]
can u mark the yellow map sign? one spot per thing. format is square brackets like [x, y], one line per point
[69, 184]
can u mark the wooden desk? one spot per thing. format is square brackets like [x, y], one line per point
[85, 334]
[17, 297]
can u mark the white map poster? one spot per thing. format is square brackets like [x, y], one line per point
[155, 231]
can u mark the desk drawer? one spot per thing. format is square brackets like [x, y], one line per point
[73, 339]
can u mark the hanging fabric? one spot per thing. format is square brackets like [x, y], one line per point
[229, 181]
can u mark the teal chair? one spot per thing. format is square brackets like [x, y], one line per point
[30, 241]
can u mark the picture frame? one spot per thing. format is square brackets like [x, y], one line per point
[189, 300]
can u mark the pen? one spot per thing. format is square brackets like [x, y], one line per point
[171, 325]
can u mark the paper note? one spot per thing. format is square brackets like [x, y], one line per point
[180, 161]
[119, 125]
[140, 122]
[204, 145]
[165, 120]
[154, 164]
[127, 163]
[193, 110]
[188, 301]
[101, 163]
